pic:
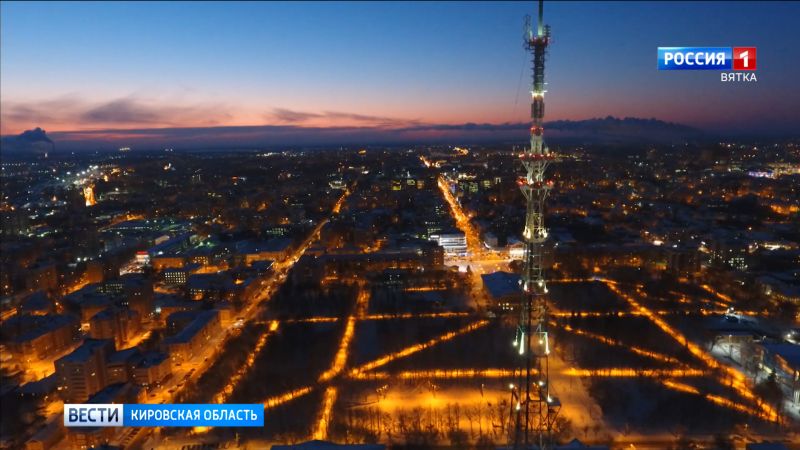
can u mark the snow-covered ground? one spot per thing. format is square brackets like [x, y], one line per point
[731, 355]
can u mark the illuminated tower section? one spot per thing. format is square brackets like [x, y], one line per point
[533, 406]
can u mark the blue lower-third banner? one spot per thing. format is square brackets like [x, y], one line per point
[163, 415]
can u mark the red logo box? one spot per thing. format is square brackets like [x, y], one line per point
[744, 58]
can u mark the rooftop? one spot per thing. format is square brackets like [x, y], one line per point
[31, 327]
[502, 284]
[87, 349]
[188, 332]
[122, 356]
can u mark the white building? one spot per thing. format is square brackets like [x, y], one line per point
[453, 242]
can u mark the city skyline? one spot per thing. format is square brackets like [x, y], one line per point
[320, 225]
[167, 71]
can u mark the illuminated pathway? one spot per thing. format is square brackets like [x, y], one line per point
[362, 303]
[339, 362]
[737, 380]
[724, 402]
[287, 396]
[251, 359]
[456, 374]
[437, 315]
[325, 416]
[359, 371]
[727, 301]
[613, 342]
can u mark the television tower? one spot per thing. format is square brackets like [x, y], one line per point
[534, 409]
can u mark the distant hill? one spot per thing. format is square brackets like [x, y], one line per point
[610, 130]
[35, 140]
[614, 130]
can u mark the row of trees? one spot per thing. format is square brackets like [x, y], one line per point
[479, 425]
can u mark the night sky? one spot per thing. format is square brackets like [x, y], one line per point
[117, 66]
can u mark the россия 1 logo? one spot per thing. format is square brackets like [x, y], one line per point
[740, 59]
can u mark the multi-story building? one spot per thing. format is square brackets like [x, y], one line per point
[42, 276]
[82, 373]
[94, 437]
[39, 336]
[190, 341]
[176, 276]
[152, 368]
[120, 365]
[134, 291]
[454, 242]
[118, 324]
[275, 249]
[213, 286]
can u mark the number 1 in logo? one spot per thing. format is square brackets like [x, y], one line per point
[744, 58]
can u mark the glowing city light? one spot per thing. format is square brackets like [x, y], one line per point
[325, 416]
[416, 348]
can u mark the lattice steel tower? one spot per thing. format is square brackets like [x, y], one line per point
[534, 409]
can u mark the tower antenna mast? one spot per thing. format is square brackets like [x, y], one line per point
[534, 408]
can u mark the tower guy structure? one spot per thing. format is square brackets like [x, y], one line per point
[534, 409]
